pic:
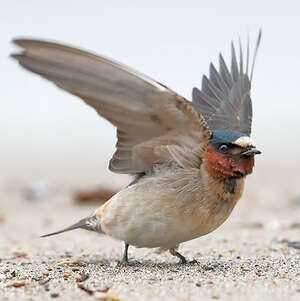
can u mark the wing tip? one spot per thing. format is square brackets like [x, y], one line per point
[258, 41]
[17, 41]
[22, 42]
[15, 56]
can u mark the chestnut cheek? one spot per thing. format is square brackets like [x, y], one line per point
[244, 165]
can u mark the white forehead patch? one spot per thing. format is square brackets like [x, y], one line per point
[244, 141]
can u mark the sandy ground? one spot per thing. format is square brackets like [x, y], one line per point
[251, 257]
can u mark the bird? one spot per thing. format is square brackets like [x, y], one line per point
[189, 159]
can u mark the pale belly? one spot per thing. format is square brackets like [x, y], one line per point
[147, 216]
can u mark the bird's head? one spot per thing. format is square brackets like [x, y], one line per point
[230, 154]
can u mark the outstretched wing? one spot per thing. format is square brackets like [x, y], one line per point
[147, 114]
[224, 100]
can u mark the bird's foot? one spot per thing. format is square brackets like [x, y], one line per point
[129, 263]
[177, 254]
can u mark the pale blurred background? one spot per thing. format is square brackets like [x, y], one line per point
[52, 144]
[45, 131]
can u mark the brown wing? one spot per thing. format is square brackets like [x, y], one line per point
[224, 100]
[146, 113]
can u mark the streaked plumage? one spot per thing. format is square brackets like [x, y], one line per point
[187, 181]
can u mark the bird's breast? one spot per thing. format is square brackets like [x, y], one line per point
[165, 211]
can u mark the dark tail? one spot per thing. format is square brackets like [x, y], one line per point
[88, 223]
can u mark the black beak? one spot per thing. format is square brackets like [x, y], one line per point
[251, 152]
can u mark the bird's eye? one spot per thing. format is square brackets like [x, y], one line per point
[223, 149]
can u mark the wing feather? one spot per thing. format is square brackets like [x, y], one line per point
[144, 111]
[224, 100]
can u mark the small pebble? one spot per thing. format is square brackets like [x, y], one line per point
[16, 284]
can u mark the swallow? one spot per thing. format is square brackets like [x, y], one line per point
[189, 159]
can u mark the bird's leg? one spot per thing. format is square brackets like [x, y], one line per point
[125, 260]
[125, 254]
[177, 254]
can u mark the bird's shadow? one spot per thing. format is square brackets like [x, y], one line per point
[145, 263]
[166, 266]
